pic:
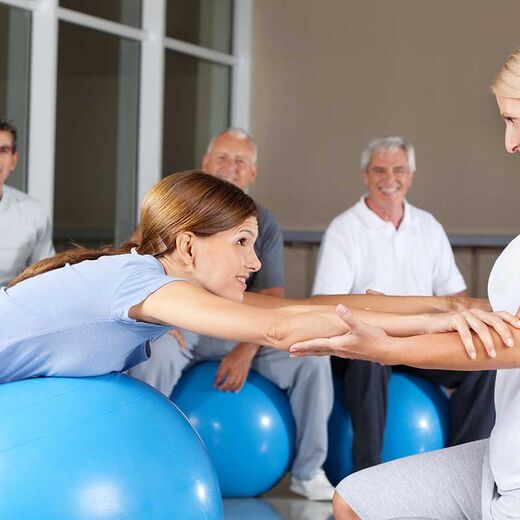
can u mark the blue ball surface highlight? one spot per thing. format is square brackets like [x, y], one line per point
[418, 417]
[249, 435]
[417, 421]
[107, 447]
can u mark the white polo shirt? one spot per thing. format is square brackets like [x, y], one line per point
[360, 251]
[25, 233]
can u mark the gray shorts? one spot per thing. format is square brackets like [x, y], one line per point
[451, 484]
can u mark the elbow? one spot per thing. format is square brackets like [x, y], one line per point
[277, 335]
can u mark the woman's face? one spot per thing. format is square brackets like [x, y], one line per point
[510, 111]
[223, 262]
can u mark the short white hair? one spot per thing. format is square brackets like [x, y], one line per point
[388, 144]
[239, 134]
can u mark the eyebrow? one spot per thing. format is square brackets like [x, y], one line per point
[246, 231]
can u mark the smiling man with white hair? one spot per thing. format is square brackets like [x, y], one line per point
[386, 244]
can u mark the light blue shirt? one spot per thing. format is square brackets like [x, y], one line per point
[73, 321]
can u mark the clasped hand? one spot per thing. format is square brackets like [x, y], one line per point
[478, 321]
[371, 343]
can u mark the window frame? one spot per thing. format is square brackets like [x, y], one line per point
[46, 15]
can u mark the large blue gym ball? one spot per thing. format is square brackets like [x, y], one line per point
[339, 462]
[107, 447]
[249, 434]
[417, 421]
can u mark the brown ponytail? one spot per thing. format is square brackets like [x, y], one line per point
[72, 256]
[184, 201]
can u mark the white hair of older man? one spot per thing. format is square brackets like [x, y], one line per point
[388, 144]
[239, 134]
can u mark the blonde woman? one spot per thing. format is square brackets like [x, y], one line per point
[478, 480]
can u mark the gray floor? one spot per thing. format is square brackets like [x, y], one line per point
[277, 504]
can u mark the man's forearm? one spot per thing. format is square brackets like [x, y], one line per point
[393, 324]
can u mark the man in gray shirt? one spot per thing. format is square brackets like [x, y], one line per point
[231, 156]
[25, 230]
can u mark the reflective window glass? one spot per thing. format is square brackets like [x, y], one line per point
[15, 58]
[96, 136]
[127, 12]
[204, 22]
[196, 106]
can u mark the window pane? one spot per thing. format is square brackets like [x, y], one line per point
[15, 52]
[196, 106]
[127, 12]
[203, 22]
[96, 136]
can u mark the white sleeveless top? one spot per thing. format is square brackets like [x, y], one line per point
[504, 446]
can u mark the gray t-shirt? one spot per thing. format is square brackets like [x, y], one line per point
[25, 233]
[269, 249]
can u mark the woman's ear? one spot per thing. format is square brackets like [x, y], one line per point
[184, 245]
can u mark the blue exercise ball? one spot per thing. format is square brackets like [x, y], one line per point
[249, 435]
[107, 447]
[418, 417]
[417, 421]
[339, 456]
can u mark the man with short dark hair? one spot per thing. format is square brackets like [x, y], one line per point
[25, 230]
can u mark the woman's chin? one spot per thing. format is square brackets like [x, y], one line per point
[233, 295]
[237, 297]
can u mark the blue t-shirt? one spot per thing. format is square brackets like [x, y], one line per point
[73, 321]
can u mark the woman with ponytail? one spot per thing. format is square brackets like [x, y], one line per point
[88, 312]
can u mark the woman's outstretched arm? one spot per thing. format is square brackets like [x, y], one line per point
[402, 325]
[437, 351]
[186, 305]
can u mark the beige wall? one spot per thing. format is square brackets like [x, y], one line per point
[328, 76]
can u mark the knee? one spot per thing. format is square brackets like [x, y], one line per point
[481, 382]
[316, 367]
[368, 371]
[342, 511]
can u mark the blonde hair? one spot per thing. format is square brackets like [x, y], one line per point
[507, 81]
[184, 201]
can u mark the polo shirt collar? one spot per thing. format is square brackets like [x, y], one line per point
[372, 220]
